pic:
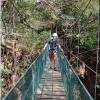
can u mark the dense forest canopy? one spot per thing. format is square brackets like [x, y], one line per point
[28, 23]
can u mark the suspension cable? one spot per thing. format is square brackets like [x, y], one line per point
[83, 11]
[90, 16]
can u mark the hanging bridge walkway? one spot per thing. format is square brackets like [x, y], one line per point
[40, 82]
[51, 84]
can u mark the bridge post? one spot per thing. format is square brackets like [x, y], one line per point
[96, 97]
[0, 40]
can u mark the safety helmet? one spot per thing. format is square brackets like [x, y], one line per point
[55, 34]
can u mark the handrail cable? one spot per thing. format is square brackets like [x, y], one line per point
[82, 62]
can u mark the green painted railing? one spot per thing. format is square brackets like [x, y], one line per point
[25, 88]
[74, 88]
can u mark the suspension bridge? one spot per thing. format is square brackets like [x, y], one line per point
[41, 83]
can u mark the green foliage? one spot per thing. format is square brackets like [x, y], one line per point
[88, 40]
[41, 39]
[41, 16]
[5, 72]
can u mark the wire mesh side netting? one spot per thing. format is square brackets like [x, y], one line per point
[74, 88]
[26, 86]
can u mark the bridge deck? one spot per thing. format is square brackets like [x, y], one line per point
[51, 85]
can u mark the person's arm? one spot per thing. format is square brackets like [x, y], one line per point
[48, 41]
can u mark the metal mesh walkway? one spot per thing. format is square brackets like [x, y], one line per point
[51, 85]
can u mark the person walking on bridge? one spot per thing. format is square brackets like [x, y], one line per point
[52, 50]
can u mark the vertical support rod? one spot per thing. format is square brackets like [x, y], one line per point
[13, 19]
[98, 46]
[70, 42]
[78, 41]
[0, 43]
[14, 47]
[14, 69]
[0, 29]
